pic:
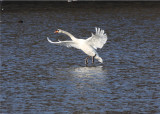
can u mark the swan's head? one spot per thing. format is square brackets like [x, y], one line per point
[58, 31]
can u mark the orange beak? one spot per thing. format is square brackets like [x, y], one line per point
[56, 31]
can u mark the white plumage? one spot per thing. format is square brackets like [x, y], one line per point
[88, 46]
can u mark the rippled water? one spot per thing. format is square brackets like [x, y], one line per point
[38, 77]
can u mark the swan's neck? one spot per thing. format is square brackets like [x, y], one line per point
[69, 34]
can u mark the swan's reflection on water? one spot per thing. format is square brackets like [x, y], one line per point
[87, 71]
[93, 74]
[88, 76]
[90, 81]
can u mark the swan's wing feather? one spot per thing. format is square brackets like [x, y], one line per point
[64, 43]
[97, 40]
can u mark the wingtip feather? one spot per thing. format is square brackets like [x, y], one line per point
[49, 40]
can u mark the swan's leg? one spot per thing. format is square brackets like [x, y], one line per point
[86, 60]
[93, 58]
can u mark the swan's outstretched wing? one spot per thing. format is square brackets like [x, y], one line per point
[64, 43]
[97, 40]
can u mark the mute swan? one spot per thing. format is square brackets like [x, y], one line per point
[88, 46]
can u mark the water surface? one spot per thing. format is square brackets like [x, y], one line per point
[39, 77]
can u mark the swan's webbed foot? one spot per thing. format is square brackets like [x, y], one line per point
[93, 59]
[86, 60]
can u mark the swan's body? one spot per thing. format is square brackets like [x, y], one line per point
[88, 46]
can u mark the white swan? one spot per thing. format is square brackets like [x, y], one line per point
[88, 46]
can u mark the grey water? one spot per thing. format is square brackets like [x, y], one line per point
[39, 77]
